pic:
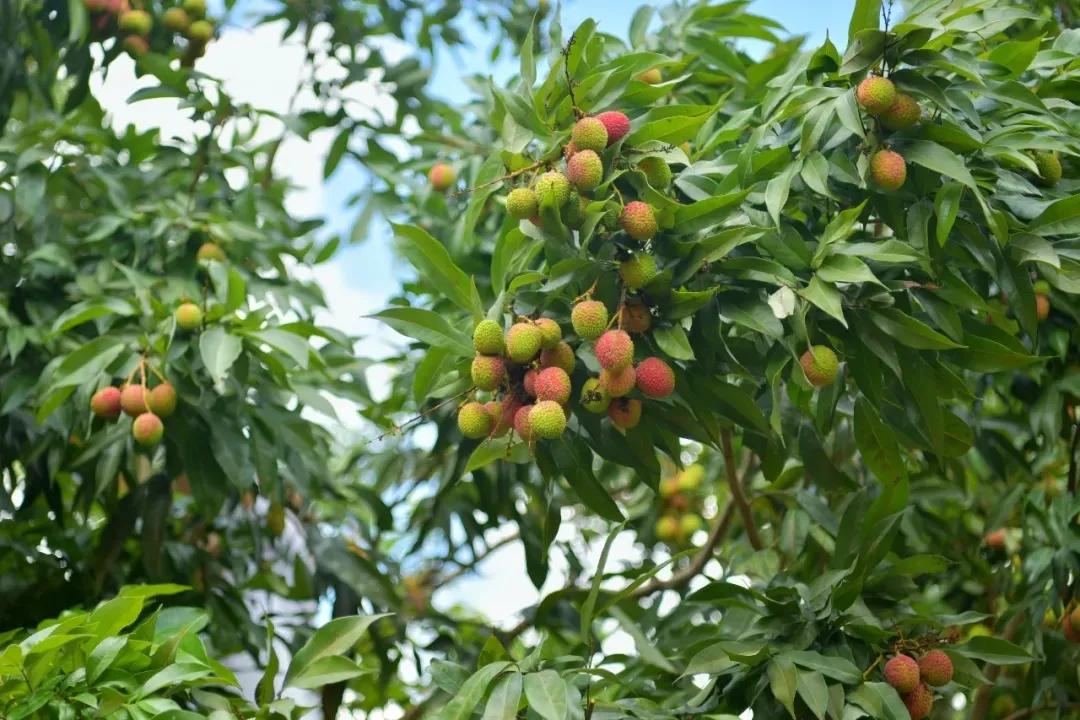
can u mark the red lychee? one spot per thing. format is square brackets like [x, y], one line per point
[106, 402]
[553, 384]
[638, 220]
[616, 123]
[902, 672]
[655, 378]
[615, 350]
[887, 170]
[617, 384]
[625, 413]
[876, 94]
[521, 422]
[935, 668]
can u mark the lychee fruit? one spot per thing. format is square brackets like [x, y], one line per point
[617, 384]
[887, 170]
[528, 382]
[589, 133]
[690, 478]
[902, 672]
[690, 524]
[136, 46]
[919, 702]
[569, 150]
[638, 220]
[819, 363]
[503, 420]
[474, 421]
[208, 250]
[136, 22]
[589, 318]
[651, 76]
[902, 114]
[585, 170]
[488, 338]
[176, 19]
[106, 402]
[162, 400]
[1042, 307]
[133, 400]
[574, 212]
[876, 94]
[1049, 165]
[995, 539]
[638, 271]
[202, 31]
[522, 425]
[594, 397]
[275, 519]
[657, 172]
[194, 8]
[189, 316]
[615, 350]
[616, 124]
[441, 176]
[935, 668]
[488, 371]
[560, 356]
[1074, 620]
[96, 5]
[635, 318]
[1072, 634]
[667, 528]
[147, 429]
[521, 203]
[523, 342]
[625, 413]
[655, 378]
[553, 188]
[552, 384]
[550, 332]
[547, 420]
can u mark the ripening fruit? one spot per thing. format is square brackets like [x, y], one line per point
[147, 429]
[1067, 627]
[690, 478]
[96, 5]
[935, 668]
[136, 46]
[594, 397]
[488, 371]
[669, 487]
[202, 31]
[902, 114]
[547, 420]
[667, 528]
[528, 382]
[574, 212]
[625, 413]
[638, 271]
[618, 384]
[569, 150]
[195, 8]
[474, 421]
[655, 378]
[550, 332]
[902, 672]
[690, 524]
[819, 363]
[616, 124]
[615, 350]
[189, 316]
[638, 220]
[657, 172]
[1049, 165]
[651, 76]
[635, 317]
[552, 384]
[553, 188]
[589, 133]
[162, 400]
[133, 400]
[887, 170]
[136, 22]
[919, 702]
[585, 170]
[876, 94]
[521, 203]
[275, 519]
[176, 19]
[589, 318]
[523, 342]
[1074, 620]
[106, 402]
[209, 250]
[487, 338]
[560, 356]
[1042, 307]
[441, 176]
[522, 425]
[502, 419]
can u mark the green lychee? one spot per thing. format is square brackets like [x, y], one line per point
[209, 250]
[820, 365]
[594, 397]
[474, 421]
[625, 413]
[195, 8]
[201, 32]
[552, 188]
[690, 479]
[657, 172]
[574, 213]
[521, 203]
[902, 672]
[667, 528]
[136, 22]
[902, 114]
[275, 519]
[523, 342]
[618, 384]
[188, 316]
[176, 19]
[935, 668]
[690, 524]
[488, 338]
[106, 402]
[547, 420]
[488, 371]
[875, 94]
[133, 400]
[552, 384]
[638, 271]
[147, 429]
[1049, 165]
[550, 332]
[888, 170]
[162, 400]
[441, 176]
[560, 356]
[589, 318]
[638, 220]
[615, 350]
[589, 133]
[585, 170]
[616, 124]
[655, 378]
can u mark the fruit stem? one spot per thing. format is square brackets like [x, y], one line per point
[508, 176]
[398, 428]
[588, 293]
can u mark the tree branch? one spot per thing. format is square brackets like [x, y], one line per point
[678, 579]
[981, 706]
[479, 558]
[1072, 458]
[737, 494]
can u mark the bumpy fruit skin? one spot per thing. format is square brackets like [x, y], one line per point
[189, 316]
[136, 46]
[487, 371]
[162, 400]
[487, 338]
[618, 384]
[528, 382]
[547, 420]
[503, 420]
[550, 332]
[667, 528]
[589, 133]
[133, 400]
[651, 76]
[657, 172]
[569, 150]
[176, 19]
[521, 203]
[935, 668]
[615, 350]
[585, 170]
[209, 250]
[638, 220]
[919, 702]
[560, 356]
[616, 124]
[474, 421]
[553, 384]
[594, 397]
[902, 672]
[876, 94]
[195, 8]
[522, 426]
[106, 402]
[819, 363]
[635, 318]
[589, 318]
[147, 429]
[904, 113]
[1042, 307]
[625, 413]
[202, 31]
[655, 378]
[553, 188]
[638, 271]
[523, 342]
[888, 170]
[137, 22]
[1049, 165]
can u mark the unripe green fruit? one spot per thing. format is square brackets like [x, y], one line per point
[488, 338]
[669, 487]
[820, 365]
[106, 402]
[589, 318]
[1049, 165]
[550, 332]
[902, 114]
[523, 342]
[441, 176]
[667, 528]
[625, 413]
[575, 212]
[136, 22]
[522, 424]
[147, 429]
[209, 250]
[902, 672]
[176, 19]
[635, 318]
[553, 188]
[616, 124]
[162, 400]
[200, 32]
[195, 8]
[1041, 287]
[690, 478]
[547, 420]
[189, 316]
[594, 397]
[690, 524]
[888, 170]
[275, 519]
[136, 46]
[585, 170]
[488, 371]
[638, 220]
[615, 350]
[618, 384]
[474, 421]
[651, 76]
[552, 384]
[655, 378]
[521, 203]
[560, 356]
[638, 271]
[935, 668]
[589, 133]
[133, 400]
[919, 702]
[657, 172]
[876, 94]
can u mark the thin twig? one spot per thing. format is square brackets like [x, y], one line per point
[503, 178]
[981, 705]
[1072, 458]
[678, 579]
[478, 558]
[737, 494]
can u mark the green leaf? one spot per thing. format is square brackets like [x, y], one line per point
[504, 698]
[776, 192]
[293, 345]
[846, 269]
[435, 266]
[864, 16]
[673, 341]
[645, 648]
[1061, 217]
[839, 229]
[219, 350]
[327, 670]
[783, 681]
[837, 668]
[946, 205]
[814, 692]
[594, 592]
[336, 637]
[705, 213]
[911, 332]
[877, 444]
[102, 656]
[995, 651]
[427, 326]
[679, 123]
[174, 675]
[941, 160]
[545, 692]
[826, 297]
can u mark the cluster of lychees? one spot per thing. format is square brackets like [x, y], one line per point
[681, 505]
[146, 405]
[913, 680]
[135, 25]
